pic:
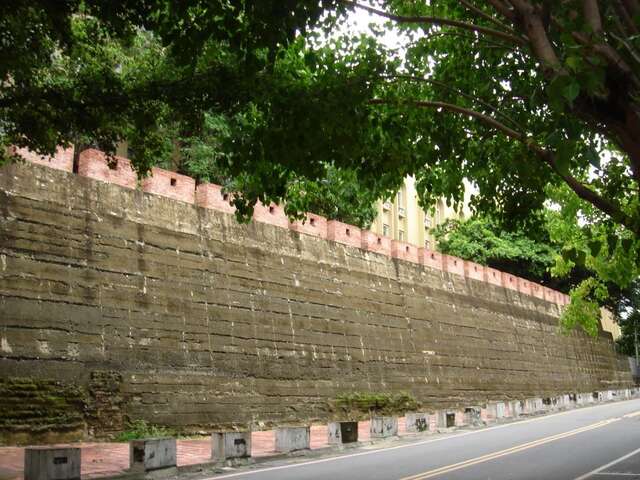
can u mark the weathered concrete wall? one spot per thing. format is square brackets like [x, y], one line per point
[150, 308]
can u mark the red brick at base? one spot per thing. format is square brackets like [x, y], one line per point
[537, 290]
[375, 243]
[62, 160]
[524, 286]
[453, 264]
[474, 270]
[430, 259]
[509, 281]
[315, 225]
[95, 164]
[273, 215]
[344, 233]
[493, 276]
[209, 195]
[170, 184]
[404, 251]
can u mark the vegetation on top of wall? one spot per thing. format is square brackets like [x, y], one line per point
[482, 240]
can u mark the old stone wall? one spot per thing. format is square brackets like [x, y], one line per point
[119, 304]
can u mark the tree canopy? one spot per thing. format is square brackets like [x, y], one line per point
[532, 101]
[511, 95]
[480, 239]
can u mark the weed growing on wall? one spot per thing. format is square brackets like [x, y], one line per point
[376, 403]
[141, 429]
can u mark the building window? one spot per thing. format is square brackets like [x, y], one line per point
[399, 199]
[401, 235]
[427, 244]
[386, 230]
[427, 222]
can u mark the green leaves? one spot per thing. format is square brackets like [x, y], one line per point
[564, 154]
[571, 91]
[483, 241]
[584, 309]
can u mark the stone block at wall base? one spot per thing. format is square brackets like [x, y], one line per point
[473, 416]
[290, 439]
[226, 445]
[417, 422]
[152, 454]
[51, 463]
[446, 419]
[342, 432]
[381, 427]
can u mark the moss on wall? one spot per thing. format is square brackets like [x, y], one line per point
[32, 410]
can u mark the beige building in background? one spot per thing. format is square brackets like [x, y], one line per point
[401, 218]
[609, 324]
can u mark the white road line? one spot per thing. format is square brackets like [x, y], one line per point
[610, 464]
[637, 475]
[414, 444]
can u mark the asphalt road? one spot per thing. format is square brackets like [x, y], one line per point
[596, 443]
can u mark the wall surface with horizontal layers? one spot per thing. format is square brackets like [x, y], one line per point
[121, 304]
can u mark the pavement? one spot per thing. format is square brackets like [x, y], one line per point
[596, 443]
[100, 459]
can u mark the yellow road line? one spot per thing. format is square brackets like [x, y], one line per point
[631, 415]
[508, 451]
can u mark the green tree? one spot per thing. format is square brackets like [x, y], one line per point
[336, 194]
[482, 240]
[513, 96]
[629, 319]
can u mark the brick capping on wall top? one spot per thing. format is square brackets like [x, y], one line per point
[118, 170]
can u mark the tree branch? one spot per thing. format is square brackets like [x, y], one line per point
[438, 21]
[626, 18]
[486, 16]
[538, 39]
[461, 93]
[592, 15]
[583, 191]
[503, 9]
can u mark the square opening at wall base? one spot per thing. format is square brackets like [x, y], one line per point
[451, 420]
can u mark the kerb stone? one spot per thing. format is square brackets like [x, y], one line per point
[382, 427]
[290, 439]
[417, 422]
[44, 463]
[230, 445]
[342, 432]
[152, 454]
